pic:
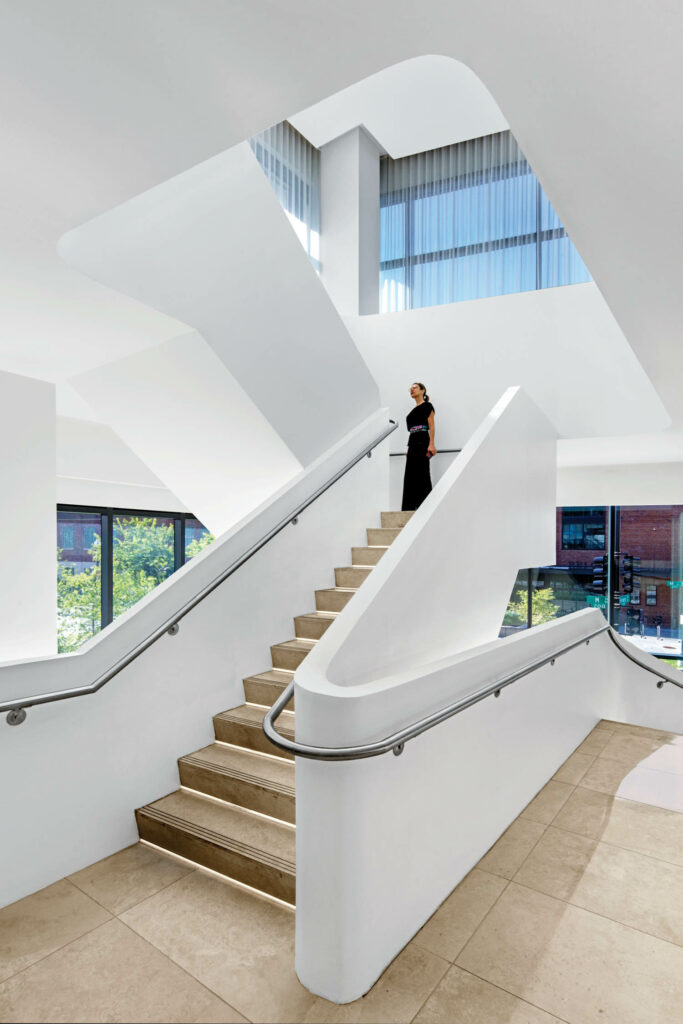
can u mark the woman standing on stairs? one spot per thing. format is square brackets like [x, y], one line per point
[417, 482]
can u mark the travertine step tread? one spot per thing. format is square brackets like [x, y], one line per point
[226, 826]
[265, 687]
[356, 574]
[297, 644]
[252, 715]
[272, 675]
[312, 625]
[383, 535]
[334, 597]
[390, 520]
[246, 766]
[370, 554]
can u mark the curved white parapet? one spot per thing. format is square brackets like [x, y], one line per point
[382, 842]
[76, 770]
[444, 584]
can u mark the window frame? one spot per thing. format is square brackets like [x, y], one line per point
[107, 516]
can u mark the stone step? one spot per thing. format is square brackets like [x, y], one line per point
[243, 727]
[312, 625]
[351, 575]
[290, 653]
[368, 555]
[266, 687]
[253, 850]
[384, 536]
[334, 599]
[395, 520]
[242, 777]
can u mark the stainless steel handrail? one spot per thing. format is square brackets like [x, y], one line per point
[397, 740]
[17, 707]
[441, 451]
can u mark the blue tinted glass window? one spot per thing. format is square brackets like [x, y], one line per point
[468, 221]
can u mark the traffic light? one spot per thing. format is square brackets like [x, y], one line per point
[599, 583]
[631, 572]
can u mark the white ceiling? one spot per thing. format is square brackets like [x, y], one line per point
[99, 102]
[412, 107]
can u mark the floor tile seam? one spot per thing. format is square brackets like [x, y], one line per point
[57, 949]
[189, 871]
[84, 893]
[596, 913]
[593, 758]
[619, 846]
[503, 890]
[172, 959]
[436, 985]
[442, 903]
[493, 984]
[467, 942]
[646, 767]
[185, 971]
[564, 803]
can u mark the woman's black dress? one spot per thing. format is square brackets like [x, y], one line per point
[417, 482]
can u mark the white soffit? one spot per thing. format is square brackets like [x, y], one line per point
[414, 106]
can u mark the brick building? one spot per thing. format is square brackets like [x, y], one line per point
[652, 533]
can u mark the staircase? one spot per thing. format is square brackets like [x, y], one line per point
[235, 810]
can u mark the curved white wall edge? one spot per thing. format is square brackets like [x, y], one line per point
[80, 767]
[40, 675]
[387, 839]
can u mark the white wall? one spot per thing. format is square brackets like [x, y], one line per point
[95, 467]
[28, 575]
[445, 582]
[394, 835]
[658, 483]
[411, 107]
[562, 345]
[441, 588]
[349, 221]
[186, 417]
[79, 768]
[213, 248]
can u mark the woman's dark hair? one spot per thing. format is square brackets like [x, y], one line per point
[422, 388]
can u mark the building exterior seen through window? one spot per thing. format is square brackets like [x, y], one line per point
[107, 559]
[625, 560]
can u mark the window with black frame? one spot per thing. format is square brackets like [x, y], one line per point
[108, 559]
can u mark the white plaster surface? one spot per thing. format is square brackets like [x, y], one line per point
[349, 217]
[388, 838]
[95, 467]
[213, 247]
[28, 573]
[445, 582]
[187, 418]
[79, 768]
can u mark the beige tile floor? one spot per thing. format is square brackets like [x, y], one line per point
[575, 915]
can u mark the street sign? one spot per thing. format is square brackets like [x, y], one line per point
[596, 601]
[674, 584]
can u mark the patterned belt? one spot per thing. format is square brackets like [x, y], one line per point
[420, 426]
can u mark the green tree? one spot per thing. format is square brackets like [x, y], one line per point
[543, 608]
[142, 557]
[198, 544]
[79, 606]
